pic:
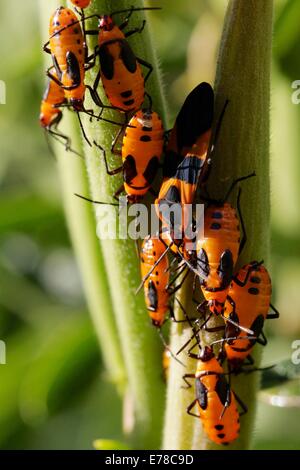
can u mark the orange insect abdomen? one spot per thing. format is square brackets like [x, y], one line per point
[68, 45]
[53, 96]
[142, 146]
[251, 301]
[222, 427]
[155, 287]
[121, 74]
[81, 3]
[221, 430]
[221, 234]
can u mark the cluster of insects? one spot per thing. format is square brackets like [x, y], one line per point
[241, 298]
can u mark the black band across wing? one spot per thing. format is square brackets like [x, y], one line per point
[189, 169]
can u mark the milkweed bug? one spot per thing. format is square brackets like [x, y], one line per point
[142, 147]
[248, 304]
[120, 70]
[159, 287]
[188, 157]
[51, 114]
[217, 251]
[68, 50]
[215, 399]
[81, 3]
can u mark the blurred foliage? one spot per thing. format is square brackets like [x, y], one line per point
[53, 391]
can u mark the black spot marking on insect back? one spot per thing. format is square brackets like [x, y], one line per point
[217, 215]
[151, 169]
[106, 62]
[146, 129]
[253, 291]
[128, 57]
[128, 102]
[255, 280]
[219, 427]
[221, 435]
[215, 226]
[145, 138]
[126, 94]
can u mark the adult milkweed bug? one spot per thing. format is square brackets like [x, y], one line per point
[215, 399]
[142, 147]
[187, 160]
[192, 128]
[68, 50]
[247, 303]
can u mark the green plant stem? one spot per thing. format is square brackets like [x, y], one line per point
[243, 77]
[140, 344]
[72, 175]
[178, 430]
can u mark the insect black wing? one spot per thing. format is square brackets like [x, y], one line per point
[196, 115]
[194, 119]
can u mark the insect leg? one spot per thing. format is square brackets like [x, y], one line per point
[108, 170]
[147, 65]
[135, 30]
[185, 377]
[274, 314]
[241, 403]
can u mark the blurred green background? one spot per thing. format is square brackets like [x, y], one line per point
[53, 390]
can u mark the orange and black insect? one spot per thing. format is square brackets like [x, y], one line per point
[218, 250]
[192, 129]
[248, 303]
[81, 3]
[50, 113]
[216, 401]
[158, 287]
[68, 50]
[142, 147]
[120, 70]
[156, 290]
[66, 45]
[185, 155]
[188, 157]
[187, 150]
